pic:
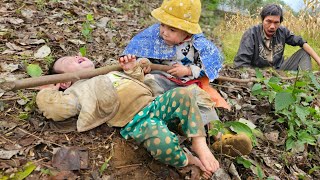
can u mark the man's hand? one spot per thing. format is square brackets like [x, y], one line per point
[180, 70]
[127, 62]
[311, 52]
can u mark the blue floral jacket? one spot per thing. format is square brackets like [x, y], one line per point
[149, 44]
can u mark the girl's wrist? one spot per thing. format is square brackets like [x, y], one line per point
[189, 71]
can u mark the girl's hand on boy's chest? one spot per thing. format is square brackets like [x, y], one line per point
[180, 70]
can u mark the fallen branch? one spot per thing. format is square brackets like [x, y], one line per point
[85, 74]
[237, 80]
[56, 78]
[66, 77]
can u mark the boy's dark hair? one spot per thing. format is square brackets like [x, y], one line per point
[50, 66]
[271, 10]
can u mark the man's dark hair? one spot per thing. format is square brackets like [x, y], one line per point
[271, 10]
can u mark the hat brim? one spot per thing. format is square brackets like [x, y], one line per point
[164, 17]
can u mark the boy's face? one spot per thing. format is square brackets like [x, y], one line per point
[72, 64]
[171, 35]
[270, 25]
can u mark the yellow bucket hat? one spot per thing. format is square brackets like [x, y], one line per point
[181, 14]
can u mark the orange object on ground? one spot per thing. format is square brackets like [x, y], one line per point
[204, 84]
[215, 96]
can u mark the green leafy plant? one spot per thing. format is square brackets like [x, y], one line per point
[21, 174]
[87, 32]
[23, 115]
[40, 4]
[46, 171]
[29, 105]
[217, 126]
[2, 106]
[83, 51]
[293, 105]
[34, 70]
[245, 162]
[260, 172]
[211, 4]
[232, 127]
[105, 165]
[315, 168]
[87, 27]
[49, 60]
[239, 127]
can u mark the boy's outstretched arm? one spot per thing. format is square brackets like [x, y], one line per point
[130, 66]
[127, 62]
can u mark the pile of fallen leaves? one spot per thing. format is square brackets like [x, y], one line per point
[34, 33]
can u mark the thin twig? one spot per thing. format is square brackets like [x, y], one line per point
[39, 137]
[13, 98]
[130, 165]
[230, 87]
[7, 139]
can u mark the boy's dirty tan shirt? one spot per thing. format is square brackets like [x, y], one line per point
[97, 101]
[133, 96]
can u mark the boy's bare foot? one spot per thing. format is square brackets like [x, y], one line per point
[199, 146]
[192, 160]
[127, 62]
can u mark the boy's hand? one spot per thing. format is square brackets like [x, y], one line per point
[49, 86]
[127, 62]
[145, 64]
[180, 70]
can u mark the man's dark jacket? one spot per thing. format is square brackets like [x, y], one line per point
[252, 47]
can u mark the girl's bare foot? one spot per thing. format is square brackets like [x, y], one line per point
[199, 146]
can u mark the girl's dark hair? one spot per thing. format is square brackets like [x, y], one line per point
[272, 10]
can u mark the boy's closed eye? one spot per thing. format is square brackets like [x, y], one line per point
[173, 29]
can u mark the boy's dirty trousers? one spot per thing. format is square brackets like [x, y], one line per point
[150, 126]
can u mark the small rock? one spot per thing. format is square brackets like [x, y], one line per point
[102, 23]
[220, 174]
[43, 52]
[272, 136]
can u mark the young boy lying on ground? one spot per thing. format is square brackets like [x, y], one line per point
[122, 100]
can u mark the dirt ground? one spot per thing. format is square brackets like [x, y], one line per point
[57, 151]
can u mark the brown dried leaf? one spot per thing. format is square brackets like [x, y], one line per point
[64, 175]
[32, 42]
[9, 67]
[70, 158]
[272, 136]
[12, 46]
[7, 51]
[190, 172]
[27, 13]
[7, 154]
[15, 21]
